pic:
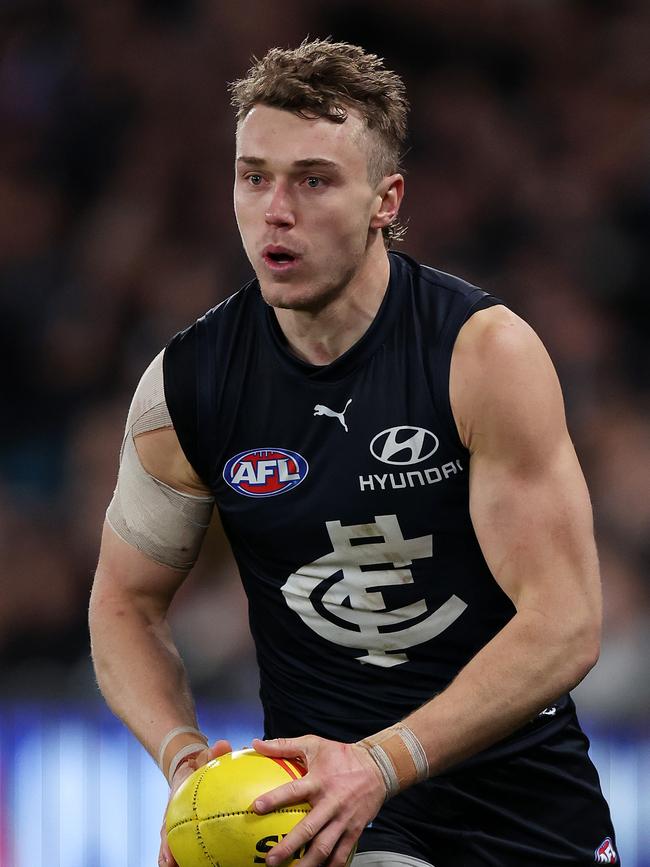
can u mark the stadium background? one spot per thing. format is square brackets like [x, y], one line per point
[528, 172]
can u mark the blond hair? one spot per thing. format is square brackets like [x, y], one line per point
[326, 79]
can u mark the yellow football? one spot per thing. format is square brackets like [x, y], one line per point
[210, 819]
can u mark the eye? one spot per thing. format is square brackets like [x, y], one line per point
[255, 180]
[314, 182]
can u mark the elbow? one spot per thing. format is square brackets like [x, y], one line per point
[592, 650]
[98, 653]
[583, 651]
[96, 628]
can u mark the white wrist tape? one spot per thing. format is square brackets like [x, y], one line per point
[387, 770]
[183, 753]
[191, 740]
[400, 757]
[169, 737]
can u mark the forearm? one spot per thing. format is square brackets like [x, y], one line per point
[138, 669]
[522, 670]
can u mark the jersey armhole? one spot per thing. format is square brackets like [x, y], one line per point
[477, 300]
[180, 366]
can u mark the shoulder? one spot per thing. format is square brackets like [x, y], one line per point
[493, 339]
[224, 312]
[503, 385]
[182, 352]
[442, 301]
[196, 361]
[150, 426]
[432, 279]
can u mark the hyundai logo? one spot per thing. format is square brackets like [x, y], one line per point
[402, 446]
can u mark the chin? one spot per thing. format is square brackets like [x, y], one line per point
[284, 300]
[297, 297]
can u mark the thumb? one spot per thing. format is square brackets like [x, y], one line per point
[218, 748]
[166, 854]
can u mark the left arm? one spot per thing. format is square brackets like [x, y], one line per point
[531, 513]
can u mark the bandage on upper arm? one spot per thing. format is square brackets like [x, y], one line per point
[167, 525]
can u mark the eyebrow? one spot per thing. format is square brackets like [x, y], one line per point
[310, 163]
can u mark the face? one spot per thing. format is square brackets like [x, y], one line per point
[304, 205]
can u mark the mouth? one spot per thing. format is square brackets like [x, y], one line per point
[279, 259]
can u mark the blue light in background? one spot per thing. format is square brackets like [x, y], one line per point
[77, 790]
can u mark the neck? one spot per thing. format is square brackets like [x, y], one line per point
[323, 336]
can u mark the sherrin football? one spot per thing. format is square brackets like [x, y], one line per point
[210, 819]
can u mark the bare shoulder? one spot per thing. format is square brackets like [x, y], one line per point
[498, 338]
[503, 387]
[156, 442]
[162, 456]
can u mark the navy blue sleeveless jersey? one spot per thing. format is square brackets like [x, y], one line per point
[343, 490]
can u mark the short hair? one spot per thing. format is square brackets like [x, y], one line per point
[322, 78]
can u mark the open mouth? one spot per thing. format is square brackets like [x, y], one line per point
[278, 258]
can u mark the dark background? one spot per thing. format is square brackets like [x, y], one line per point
[527, 172]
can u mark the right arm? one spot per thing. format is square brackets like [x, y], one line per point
[138, 668]
[154, 529]
[148, 545]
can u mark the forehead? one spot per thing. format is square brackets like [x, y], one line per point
[279, 136]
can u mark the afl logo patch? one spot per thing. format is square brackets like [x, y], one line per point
[404, 445]
[265, 472]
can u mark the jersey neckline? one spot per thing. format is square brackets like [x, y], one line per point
[366, 346]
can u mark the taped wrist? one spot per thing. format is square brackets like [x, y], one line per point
[183, 755]
[400, 757]
[178, 746]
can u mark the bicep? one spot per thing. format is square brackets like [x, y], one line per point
[127, 577]
[534, 527]
[528, 499]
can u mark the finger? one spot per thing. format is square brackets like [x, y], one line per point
[185, 769]
[295, 792]
[308, 831]
[285, 747]
[219, 748]
[343, 850]
[165, 857]
[169, 861]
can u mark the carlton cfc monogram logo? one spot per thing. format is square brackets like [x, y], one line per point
[265, 472]
[340, 596]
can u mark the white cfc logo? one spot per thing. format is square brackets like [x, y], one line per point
[359, 616]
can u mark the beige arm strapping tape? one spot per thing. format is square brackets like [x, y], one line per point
[400, 757]
[165, 524]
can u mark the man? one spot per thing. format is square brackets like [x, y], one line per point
[387, 448]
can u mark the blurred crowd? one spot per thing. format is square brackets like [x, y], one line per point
[528, 172]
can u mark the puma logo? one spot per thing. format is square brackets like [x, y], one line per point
[319, 409]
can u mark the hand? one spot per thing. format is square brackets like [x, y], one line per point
[184, 771]
[344, 787]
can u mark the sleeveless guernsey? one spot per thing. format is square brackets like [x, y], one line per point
[343, 490]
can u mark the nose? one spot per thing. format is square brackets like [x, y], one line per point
[280, 211]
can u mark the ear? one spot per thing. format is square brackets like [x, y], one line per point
[388, 199]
